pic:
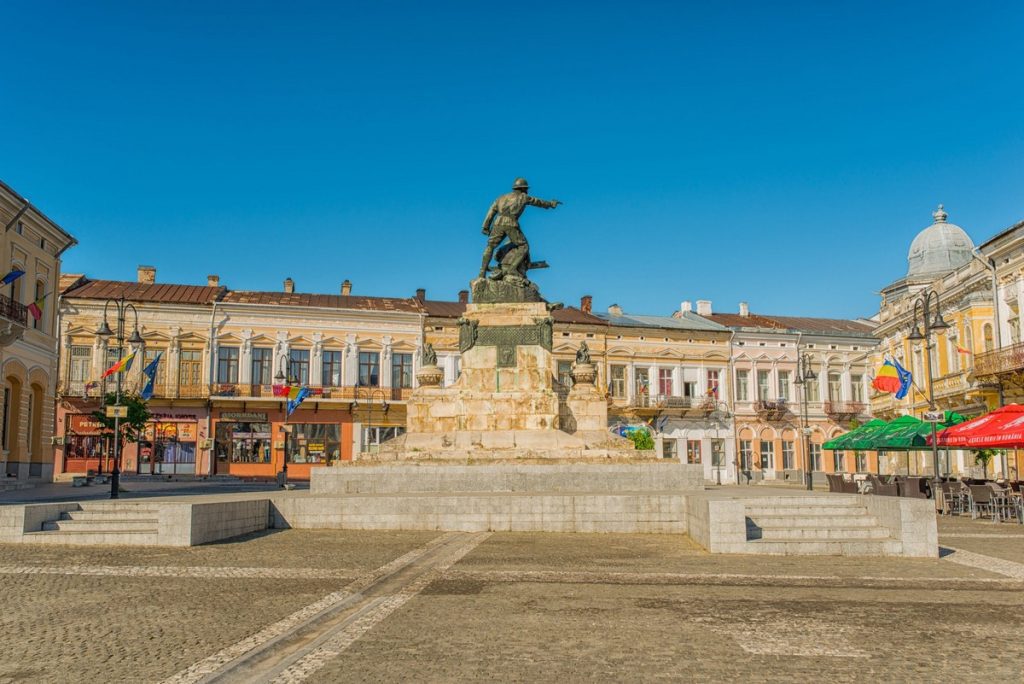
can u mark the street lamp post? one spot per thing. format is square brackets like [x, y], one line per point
[368, 395]
[284, 379]
[104, 332]
[805, 374]
[928, 307]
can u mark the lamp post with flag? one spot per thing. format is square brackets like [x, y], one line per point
[123, 365]
[804, 375]
[928, 319]
[294, 396]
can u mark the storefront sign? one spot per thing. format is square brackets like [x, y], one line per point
[172, 416]
[182, 432]
[246, 417]
[82, 424]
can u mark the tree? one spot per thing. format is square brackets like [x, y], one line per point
[641, 439]
[133, 427]
[983, 457]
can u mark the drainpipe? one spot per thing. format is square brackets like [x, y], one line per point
[990, 264]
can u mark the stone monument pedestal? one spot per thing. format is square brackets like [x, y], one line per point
[504, 406]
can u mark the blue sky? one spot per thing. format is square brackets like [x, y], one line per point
[780, 153]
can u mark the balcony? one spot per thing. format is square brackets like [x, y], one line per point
[767, 409]
[334, 392]
[1002, 361]
[844, 410]
[13, 311]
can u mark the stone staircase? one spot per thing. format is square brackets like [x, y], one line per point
[816, 525]
[117, 523]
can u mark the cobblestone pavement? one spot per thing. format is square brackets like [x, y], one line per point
[327, 606]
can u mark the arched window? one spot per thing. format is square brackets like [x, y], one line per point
[952, 355]
[986, 331]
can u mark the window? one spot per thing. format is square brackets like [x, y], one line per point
[330, 374]
[618, 383]
[986, 332]
[689, 389]
[953, 356]
[784, 385]
[718, 453]
[813, 390]
[788, 455]
[80, 365]
[298, 366]
[668, 448]
[40, 291]
[564, 372]
[665, 382]
[262, 364]
[31, 406]
[693, 451]
[742, 385]
[862, 461]
[374, 436]
[815, 456]
[6, 417]
[857, 388]
[243, 442]
[746, 454]
[837, 461]
[401, 370]
[190, 367]
[712, 384]
[369, 369]
[643, 382]
[314, 443]
[835, 387]
[767, 455]
[227, 365]
[159, 378]
[763, 388]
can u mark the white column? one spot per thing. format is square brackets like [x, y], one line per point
[316, 360]
[385, 362]
[245, 359]
[630, 382]
[350, 361]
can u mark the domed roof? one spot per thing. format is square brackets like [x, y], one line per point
[939, 248]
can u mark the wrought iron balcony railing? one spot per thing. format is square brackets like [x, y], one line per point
[13, 311]
[844, 410]
[771, 409]
[999, 361]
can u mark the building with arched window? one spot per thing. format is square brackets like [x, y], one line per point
[33, 244]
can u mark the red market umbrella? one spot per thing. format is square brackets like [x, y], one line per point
[1002, 428]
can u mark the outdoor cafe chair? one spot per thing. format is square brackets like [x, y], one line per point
[1004, 502]
[982, 502]
[881, 489]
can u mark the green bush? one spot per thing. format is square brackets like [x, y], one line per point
[642, 440]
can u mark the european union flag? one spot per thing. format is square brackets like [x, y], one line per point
[299, 398]
[150, 372]
[12, 276]
[906, 379]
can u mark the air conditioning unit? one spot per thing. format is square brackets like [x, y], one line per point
[57, 441]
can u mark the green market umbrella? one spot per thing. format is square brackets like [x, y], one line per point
[908, 433]
[847, 439]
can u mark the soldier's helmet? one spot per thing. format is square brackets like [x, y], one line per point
[520, 184]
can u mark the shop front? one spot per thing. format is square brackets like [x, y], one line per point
[257, 443]
[84, 445]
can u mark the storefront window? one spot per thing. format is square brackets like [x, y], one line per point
[788, 454]
[242, 442]
[314, 443]
[168, 447]
[669, 448]
[693, 451]
[374, 436]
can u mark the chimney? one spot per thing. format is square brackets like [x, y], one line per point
[685, 306]
[704, 307]
[213, 281]
[744, 309]
[586, 303]
[147, 274]
[421, 294]
[614, 310]
[346, 288]
[289, 285]
[463, 296]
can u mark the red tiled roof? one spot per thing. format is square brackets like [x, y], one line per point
[141, 292]
[324, 301]
[444, 309]
[823, 326]
[752, 321]
[69, 279]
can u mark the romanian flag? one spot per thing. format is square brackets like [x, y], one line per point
[288, 391]
[122, 366]
[961, 350]
[893, 378]
[36, 308]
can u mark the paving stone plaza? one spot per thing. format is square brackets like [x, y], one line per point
[335, 605]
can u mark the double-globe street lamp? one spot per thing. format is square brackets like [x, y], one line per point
[804, 375]
[281, 378]
[104, 332]
[930, 318]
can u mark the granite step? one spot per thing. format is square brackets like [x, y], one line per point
[144, 524]
[116, 514]
[754, 511]
[822, 533]
[830, 547]
[146, 537]
[863, 520]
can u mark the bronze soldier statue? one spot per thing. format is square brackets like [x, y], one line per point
[502, 221]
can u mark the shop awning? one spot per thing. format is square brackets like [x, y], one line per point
[848, 440]
[908, 433]
[1002, 428]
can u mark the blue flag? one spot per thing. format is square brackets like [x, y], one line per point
[906, 379]
[12, 276]
[150, 372]
[299, 398]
